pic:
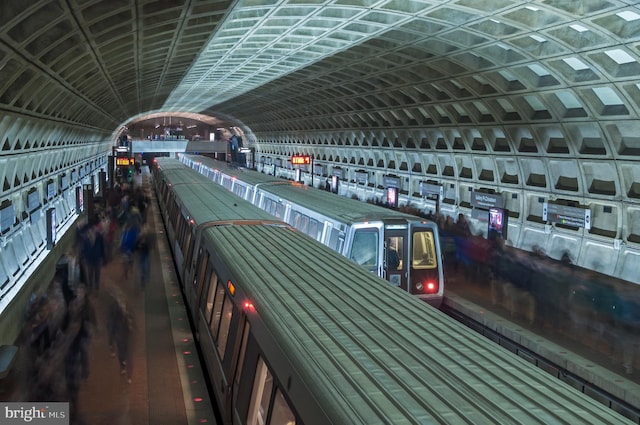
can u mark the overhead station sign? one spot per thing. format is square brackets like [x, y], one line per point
[568, 216]
[300, 159]
[431, 191]
[486, 200]
[362, 177]
[125, 161]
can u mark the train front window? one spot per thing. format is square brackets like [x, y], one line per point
[423, 255]
[364, 248]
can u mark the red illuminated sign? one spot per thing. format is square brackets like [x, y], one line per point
[300, 159]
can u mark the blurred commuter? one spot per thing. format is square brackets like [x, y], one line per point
[144, 245]
[38, 322]
[120, 328]
[566, 258]
[141, 202]
[128, 242]
[93, 256]
[462, 226]
[76, 362]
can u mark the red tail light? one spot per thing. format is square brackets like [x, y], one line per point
[428, 287]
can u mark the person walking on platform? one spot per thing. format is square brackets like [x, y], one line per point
[76, 361]
[128, 246]
[120, 327]
[93, 255]
[144, 245]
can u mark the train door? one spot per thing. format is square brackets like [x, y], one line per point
[396, 255]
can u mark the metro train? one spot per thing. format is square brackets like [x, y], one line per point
[401, 248]
[294, 333]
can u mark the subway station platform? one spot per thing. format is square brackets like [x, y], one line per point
[579, 360]
[163, 382]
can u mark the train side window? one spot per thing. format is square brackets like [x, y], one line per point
[189, 243]
[179, 232]
[201, 267]
[225, 321]
[304, 224]
[313, 228]
[270, 206]
[423, 254]
[260, 395]
[211, 294]
[217, 309]
[262, 406]
[185, 236]
[333, 241]
[281, 413]
[280, 210]
[300, 221]
[175, 210]
[243, 350]
[295, 219]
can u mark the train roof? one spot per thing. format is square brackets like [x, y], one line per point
[376, 354]
[248, 176]
[206, 201]
[328, 204]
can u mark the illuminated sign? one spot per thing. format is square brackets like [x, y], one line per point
[486, 200]
[432, 191]
[300, 159]
[125, 161]
[568, 216]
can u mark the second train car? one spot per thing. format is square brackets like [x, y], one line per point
[401, 248]
[295, 334]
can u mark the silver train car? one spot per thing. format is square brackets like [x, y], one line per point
[401, 248]
[294, 333]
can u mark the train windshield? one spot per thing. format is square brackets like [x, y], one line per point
[364, 248]
[423, 255]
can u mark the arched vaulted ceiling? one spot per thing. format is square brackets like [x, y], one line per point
[535, 99]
